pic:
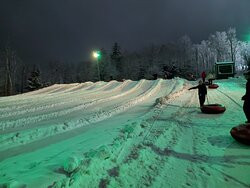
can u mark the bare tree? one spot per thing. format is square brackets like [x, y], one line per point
[233, 42]
[185, 47]
[8, 56]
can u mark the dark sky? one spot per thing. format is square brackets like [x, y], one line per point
[68, 30]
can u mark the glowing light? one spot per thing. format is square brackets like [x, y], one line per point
[96, 54]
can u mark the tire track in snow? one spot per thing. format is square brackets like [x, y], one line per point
[200, 174]
[163, 102]
[129, 147]
[173, 136]
[150, 135]
[157, 110]
[130, 151]
[197, 174]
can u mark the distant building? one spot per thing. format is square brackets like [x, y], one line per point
[224, 70]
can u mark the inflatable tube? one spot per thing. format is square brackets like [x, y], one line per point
[213, 86]
[213, 109]
[241, 133]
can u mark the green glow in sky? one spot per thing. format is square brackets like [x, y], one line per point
[246, 35]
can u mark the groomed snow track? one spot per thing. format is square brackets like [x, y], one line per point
[122, 134]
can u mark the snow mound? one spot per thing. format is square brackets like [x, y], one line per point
[71, 164]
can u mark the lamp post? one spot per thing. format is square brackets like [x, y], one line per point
[97, 56]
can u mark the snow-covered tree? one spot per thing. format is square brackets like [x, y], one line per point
[116, 53]
[245, 51]
[108, 69]
[206, 56]
[220, 44]
[33, 82]
[116, 58]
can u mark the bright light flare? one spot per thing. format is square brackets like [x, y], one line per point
[96, 54]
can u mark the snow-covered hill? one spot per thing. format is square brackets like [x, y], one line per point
[122, 134]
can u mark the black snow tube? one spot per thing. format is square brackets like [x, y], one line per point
[213, 109]
[213, 86]
[241, 133]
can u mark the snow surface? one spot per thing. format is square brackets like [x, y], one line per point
[122, 134]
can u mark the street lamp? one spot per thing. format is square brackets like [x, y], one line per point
[97, 56]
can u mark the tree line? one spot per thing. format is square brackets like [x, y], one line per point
[180, 58]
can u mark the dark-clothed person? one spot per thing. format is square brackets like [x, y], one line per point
[202, 92]
[246, 97]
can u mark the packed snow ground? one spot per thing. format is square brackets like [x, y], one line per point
[122, 134]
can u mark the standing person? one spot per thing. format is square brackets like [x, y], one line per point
[203, 76]
[246, 97]
[202, 92]
[210, 78]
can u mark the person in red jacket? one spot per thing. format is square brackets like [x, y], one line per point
[203, 76]
[246, 97]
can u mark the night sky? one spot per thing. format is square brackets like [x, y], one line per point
[68, 30]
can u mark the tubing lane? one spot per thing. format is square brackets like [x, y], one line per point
[28, 136]
[21, 122]
[37, 96]
[19, 110]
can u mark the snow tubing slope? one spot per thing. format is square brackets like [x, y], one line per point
[213, 86]
[241, 133]
[213, 109]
